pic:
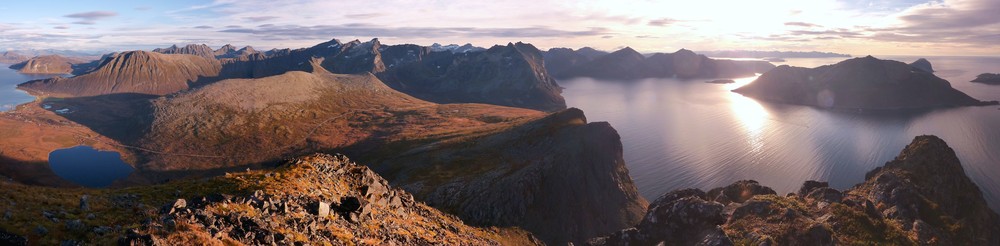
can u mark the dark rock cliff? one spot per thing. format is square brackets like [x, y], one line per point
[559, 177]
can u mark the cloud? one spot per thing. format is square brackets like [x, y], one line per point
[90, 18]
[971, 22]
[203, 27]
[363, 16]
[372, 30]
[662, 22]
[260, 18]
[61, 27]
[802, 24]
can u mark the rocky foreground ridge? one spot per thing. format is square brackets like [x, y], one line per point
[922, 197]
[312, 199]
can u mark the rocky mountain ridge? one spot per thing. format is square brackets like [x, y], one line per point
[922, 197]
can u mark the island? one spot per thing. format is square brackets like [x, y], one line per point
[858, 84]
[988, 78]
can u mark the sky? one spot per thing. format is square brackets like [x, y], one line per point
[881, 27]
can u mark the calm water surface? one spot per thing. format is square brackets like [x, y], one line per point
[88, 167]
[10, 96]
[680, 134]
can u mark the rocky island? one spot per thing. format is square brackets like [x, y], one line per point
[866, 83]
[988, 78]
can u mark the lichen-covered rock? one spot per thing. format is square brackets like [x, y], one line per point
[677, 218]
[738, 192]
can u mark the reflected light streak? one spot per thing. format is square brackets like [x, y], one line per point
[751, 114]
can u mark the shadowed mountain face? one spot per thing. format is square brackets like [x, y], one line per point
[860, 83]
[560, 167]
[922, 197]
[191, 49]
[511, 75]
[626, 64]
[131, 72]
[558, 60]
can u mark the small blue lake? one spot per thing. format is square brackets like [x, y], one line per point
[89, 167]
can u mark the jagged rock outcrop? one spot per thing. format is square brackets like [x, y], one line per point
[926, 192]
[864, 83]
[50, 64]
[191, 49]
[922, 197]
[629, 64]
[132, 72]
[542, 183]
[923, 65]
[348, 204]
[988, 78]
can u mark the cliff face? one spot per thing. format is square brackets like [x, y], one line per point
[860, 83]
[132, 72]
[311, 199]
[922, 197]
[559, 177]
[50, 64]
[629, 64]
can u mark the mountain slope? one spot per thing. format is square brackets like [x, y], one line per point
[132, 72]
[859, 83]
[50, 64]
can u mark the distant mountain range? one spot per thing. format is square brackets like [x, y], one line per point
[770, 54]
[627, 63]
